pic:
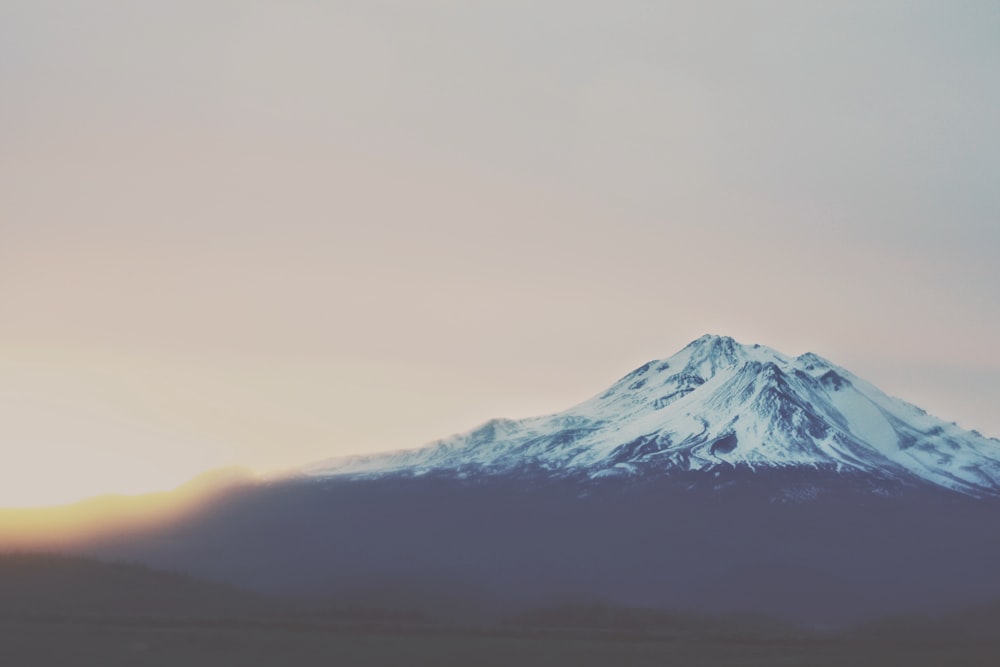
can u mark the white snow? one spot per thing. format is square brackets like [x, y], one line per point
[715, 403]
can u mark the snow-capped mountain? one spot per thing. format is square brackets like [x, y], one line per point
[715, 405]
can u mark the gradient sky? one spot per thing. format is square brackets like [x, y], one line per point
[265, 233]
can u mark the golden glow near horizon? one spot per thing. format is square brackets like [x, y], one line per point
[264, 233]
[73, 525]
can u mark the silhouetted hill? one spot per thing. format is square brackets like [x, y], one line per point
[659, 623]
[975, 624]
[57, 610]
[34, 585]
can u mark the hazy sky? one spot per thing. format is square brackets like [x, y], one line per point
[266, 233]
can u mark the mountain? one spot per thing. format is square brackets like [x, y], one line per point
[716, 405]
[727, 478]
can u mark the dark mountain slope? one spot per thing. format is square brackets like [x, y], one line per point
[718, 543]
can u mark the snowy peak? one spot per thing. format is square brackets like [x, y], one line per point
[716, 405]
[666, 380]
[710, 354]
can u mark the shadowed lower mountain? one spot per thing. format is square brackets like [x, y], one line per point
[721, 544]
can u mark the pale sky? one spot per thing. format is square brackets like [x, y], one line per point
[266, 233]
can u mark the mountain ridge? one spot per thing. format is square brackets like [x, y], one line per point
[714, 405]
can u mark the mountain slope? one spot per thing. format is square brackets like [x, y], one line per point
[715, 405]
[727, 478]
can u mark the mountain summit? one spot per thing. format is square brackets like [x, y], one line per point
[715, 406]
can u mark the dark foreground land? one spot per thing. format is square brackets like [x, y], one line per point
[71, 611]
[157, 643]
